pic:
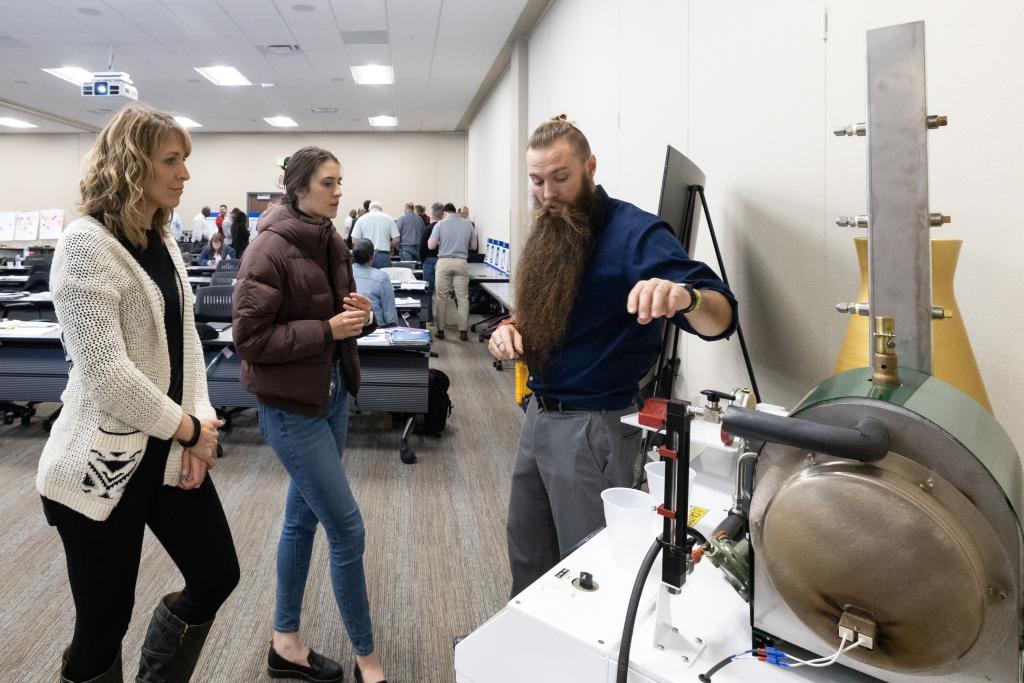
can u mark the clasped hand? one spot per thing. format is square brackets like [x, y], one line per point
[196, 461]
[355, 315]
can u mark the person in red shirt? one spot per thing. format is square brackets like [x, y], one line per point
[221, 215]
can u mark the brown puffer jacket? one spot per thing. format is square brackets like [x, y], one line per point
[282, 304]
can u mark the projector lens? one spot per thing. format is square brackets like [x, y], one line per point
[100, 88]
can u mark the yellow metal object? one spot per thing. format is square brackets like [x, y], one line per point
[952, 358]
[883, 364]
[522, 375]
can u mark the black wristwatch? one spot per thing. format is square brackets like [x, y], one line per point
[195, 435]
[694, 298]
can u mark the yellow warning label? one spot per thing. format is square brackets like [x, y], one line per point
[696, 514]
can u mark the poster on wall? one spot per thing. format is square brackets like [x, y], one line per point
[6, 226]
[51, 223]
[26, 225]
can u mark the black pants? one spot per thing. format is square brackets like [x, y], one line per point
[103, 558]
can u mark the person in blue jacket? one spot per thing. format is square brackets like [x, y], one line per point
[593, 275]
[215, 251]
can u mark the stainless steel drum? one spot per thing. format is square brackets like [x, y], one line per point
[927, 539]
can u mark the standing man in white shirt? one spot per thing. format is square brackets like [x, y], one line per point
[382, 230]
[453, 237]
[199, 225]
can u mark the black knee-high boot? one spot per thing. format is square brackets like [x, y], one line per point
[111, 675]
[172, 647]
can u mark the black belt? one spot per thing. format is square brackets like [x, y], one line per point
[381, 251]
[551, 405]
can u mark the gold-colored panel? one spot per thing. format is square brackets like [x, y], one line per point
[952, 358]
[863, 536]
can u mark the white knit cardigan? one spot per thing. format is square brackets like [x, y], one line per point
[112, 320]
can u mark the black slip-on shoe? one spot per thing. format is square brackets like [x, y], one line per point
[320, 670]
[359, 674]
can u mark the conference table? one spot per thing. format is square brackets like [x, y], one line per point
[34, 369]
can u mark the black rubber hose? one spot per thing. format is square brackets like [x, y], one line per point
[622, 669]
[622, 672]
[706, 676]
[867, 441]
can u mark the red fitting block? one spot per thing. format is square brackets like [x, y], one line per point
[653, 413]
[666, 453]
[665, 512]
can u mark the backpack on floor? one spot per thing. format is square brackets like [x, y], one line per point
[439, 406]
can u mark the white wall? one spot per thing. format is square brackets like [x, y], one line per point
[751, 92]
[393, 168]
[489, 164]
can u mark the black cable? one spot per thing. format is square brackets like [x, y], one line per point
[706, 676]
[622, 669]
[725, 279]
[634, 606]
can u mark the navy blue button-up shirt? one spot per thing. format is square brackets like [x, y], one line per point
[605, 352]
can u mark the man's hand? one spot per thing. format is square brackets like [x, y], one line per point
[193, 471]
[506, 343]
[358, 302]
[656, 298]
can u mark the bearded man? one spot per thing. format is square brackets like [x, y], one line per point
[594, 273]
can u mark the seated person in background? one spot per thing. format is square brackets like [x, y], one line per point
[373, 283]
[215, 251]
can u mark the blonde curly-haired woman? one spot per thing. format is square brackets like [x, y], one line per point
[137, 433]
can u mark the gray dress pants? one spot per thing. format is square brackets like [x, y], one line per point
[565, 460]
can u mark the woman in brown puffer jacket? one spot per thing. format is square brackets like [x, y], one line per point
[296, 319]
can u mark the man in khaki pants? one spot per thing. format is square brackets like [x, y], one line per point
[453, 237]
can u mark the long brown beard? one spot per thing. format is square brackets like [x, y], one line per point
[548, 276]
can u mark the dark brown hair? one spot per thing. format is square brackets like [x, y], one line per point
[556, 128]
[298, 172]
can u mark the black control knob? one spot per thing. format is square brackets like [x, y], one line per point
[715, 396]
[586, 581]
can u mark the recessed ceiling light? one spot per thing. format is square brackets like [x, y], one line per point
[281, 121]
[186, 122]
[266, 85]
[384, 121]
[16, 123]
[302, 7]
[222, 75]
[89, 11]
[373, 74]
[71, 74]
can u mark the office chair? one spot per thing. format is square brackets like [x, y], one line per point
[213, 303]
[223, 277]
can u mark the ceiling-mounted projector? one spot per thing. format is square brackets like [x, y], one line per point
[110, 84]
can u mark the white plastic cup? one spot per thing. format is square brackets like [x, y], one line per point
[656, 481]
[627, 514]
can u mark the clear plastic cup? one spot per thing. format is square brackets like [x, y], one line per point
[656, 481]
[627, 514]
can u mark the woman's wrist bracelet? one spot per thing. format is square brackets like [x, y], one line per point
[198, 430]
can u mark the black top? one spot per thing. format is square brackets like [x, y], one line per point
[426, 253]
[157, 263]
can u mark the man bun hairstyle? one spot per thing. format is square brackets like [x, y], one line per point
[556, 128]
